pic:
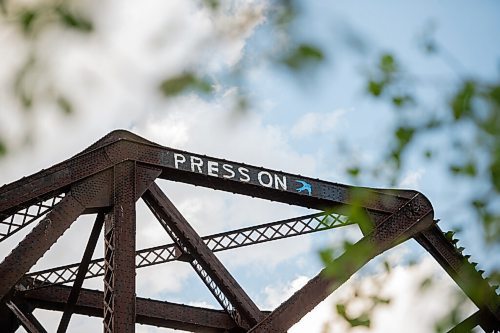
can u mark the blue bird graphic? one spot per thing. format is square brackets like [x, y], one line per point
[305, 187]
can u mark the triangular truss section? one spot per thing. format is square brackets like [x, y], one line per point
[110, 176]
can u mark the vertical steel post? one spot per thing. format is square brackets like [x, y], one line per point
[119, 242]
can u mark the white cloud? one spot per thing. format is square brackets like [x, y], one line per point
[412, 179]
[316, 123]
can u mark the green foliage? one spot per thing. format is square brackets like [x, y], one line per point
[461, 102]
[376, 87]
[22, 84]
[185, 82]
[3, 148]
[451, 319]
[26, 19]
[302, 56]
[401, 101]
[35, 18]
[388, 64]
[74, 20]
[473, 103]
[362, 320]
[468, 169]
[353, 171]
[65, 105]
[212, 4]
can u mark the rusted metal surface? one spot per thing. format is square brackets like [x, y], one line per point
[464, 273]
[27, 320]
[197, 169]
[218, 242]
[119, 243]
[80, 276]
[37, 242]
[220, 282]
[148, 312]
[479, 318]
[113, 173]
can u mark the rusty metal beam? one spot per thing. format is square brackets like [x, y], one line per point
[218, 242]
[461, 271]
[80, 276]
[87, 195]
[220, 282]
[119, 242]
[479, 318]
[148, 312]
[37, 242]
[197, 169]
[27, 320]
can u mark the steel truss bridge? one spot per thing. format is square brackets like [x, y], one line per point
[109, 177]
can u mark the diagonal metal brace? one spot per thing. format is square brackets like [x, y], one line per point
[80, 276]
[213, 273]
[27, 320]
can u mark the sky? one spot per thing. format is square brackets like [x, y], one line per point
[297, 124]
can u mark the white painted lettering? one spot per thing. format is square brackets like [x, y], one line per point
[244, 177]
[269, 182]
[229, 169]
[196, 162]
[213, 168]
[280, 182]
[178, 159]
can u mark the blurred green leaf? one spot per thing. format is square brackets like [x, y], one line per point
[27, 19]
[326, 256]
[354, 171]
[468, 169]
[404, 135]
[495, 170]
[478, 204]
[73, 20]
[375, 88]
[494, 94]
[461, 102]
[388, 64]
[286, 13]
[433, 124]
[302, 56]
[21, 83]
[188, 81]
[401, 100]
[426, 283]
[362, 320]
[3, 148]
[65, 105]
[492, 226]
[387, 266]
[212, 4]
